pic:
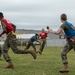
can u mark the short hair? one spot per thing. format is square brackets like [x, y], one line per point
[1, 14]
[36, 34]
[63, 17]
[42, 29]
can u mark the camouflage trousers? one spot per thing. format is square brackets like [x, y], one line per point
[43, 42]
[30, 44]
[68, 47]
[0, 51]
[10, 42]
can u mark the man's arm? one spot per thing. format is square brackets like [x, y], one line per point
[38, 41]
[14, 27]
[4, 28]
[74, 27]
[55, 32]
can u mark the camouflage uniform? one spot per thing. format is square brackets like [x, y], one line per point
[30, 44]
[43, 36]
[0, 51]
[43, 42]
[69, 46]
[10, 42]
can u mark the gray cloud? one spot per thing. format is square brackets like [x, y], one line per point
[37, 14]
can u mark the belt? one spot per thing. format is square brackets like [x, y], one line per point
[43, 39]
[72, 39]
[12, 33]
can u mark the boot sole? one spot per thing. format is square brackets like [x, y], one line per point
[12, 67]
[63, 71]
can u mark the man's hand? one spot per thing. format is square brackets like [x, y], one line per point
[2, 37]
[50, 30]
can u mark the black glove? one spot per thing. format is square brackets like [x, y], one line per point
[47, 27]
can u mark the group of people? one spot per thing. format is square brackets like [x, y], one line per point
[9, 29]
[10, 42]
[40, 38]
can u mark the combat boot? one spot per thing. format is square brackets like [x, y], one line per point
[33, 53]
[65, 69]
[10, 65]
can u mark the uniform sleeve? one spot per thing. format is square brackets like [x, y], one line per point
[3, 25]
[63, 26]
[14, 27]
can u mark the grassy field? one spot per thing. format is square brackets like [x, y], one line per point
[49, 63]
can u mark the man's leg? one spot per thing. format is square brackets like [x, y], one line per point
[0, 52]
[6, 55]
[34, 47]
[19, 51]
[64, 52]
[42, 46]
[28, 46]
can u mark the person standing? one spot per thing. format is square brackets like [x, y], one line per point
[69, 30]
[10, 42]
[31, 42]
[42, 36]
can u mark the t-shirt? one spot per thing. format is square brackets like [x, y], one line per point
[43, 35]
[65, 27]
[33, 38]
[68, 29]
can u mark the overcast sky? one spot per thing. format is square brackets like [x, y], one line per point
[37, 14]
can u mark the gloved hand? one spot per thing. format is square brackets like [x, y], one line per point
[47, 27]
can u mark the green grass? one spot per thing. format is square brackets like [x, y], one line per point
[49, 63]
